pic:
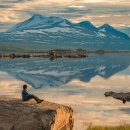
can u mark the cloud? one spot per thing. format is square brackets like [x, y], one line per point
[98, 11]
[109, 84]
[107, 1]
[77, 6]
[10, 87]
[4, 26]
[15, 1]
[114, 15]
[5, 6]
[9, 16]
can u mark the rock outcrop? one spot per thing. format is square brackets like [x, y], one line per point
[18, 115]
[125, 97]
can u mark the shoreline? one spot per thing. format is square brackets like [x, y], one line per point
[55, 54]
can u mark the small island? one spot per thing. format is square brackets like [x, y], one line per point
[52, 54]
[61, 53]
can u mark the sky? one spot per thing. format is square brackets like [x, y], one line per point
[114, 12]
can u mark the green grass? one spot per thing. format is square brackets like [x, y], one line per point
[123, 127]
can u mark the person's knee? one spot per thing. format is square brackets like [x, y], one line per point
[32, 96]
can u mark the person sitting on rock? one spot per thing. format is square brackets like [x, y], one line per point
[26, 96]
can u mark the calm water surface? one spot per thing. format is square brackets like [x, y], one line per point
[79, 83]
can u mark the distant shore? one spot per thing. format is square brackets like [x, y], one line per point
[62, 53]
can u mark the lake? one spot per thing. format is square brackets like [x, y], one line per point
[79, 83]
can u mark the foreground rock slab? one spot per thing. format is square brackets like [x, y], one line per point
[18, 115]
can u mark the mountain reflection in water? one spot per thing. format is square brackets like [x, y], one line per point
[79, 83]
[43, 72]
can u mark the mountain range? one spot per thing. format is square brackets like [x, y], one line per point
[50, 32]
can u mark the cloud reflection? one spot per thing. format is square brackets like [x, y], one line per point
[87, 99]
[10, 87]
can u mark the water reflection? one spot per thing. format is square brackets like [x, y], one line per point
[78, 83]
[9, 86]
[43, 72]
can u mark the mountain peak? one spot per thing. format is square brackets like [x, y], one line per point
[38, 16]
[106, 26]
[35, 15]
[40, 21]
[85, 23]
[109, 29]
[34, 20]
[88, 25]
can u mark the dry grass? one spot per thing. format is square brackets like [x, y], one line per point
[125, 127]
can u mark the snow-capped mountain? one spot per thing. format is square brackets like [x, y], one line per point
[39, 21]
[49, 32]
[88, 25]
[112, 31]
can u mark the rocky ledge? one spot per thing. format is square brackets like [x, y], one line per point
[18, 115]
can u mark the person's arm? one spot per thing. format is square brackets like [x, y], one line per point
[27, 92]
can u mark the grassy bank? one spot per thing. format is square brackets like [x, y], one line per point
[125, 127]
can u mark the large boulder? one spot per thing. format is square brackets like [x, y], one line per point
[18, 115]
